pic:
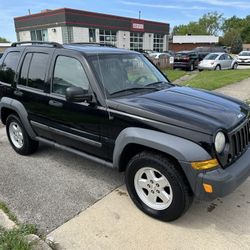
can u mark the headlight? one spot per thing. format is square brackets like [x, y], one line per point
[220, 142]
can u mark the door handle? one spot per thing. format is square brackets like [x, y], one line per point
[18, 93]
[55, 103]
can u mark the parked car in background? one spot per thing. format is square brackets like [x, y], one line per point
[172, 53]
[218, 61]
[187, 60]
[159, 55]
[243, 57]
[204, 51]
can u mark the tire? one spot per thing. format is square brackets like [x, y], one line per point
[18, 137]
[192, 67]
[218, 67]
[173, 187]
[235, 66]
[200, 70]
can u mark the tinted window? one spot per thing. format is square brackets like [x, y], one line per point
[68, 73]
[8, 68]
[25, 69]
[222, 57]
[211, 57]
[37, 70]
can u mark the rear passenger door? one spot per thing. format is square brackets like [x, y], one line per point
[29, 89]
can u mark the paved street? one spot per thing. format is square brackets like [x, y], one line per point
[51, 186]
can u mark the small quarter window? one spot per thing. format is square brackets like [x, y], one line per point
[68, 72]
[9, 66]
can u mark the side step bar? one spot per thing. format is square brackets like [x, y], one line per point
[75, 151]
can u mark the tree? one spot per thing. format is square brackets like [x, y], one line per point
[228, 37]
[211, 22]
[237, 45]
[245, 34]
[234, 23]
[208, 24]
[3, 40]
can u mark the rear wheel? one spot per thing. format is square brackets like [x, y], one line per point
[157, 187]
[18, 137]
[191, 68]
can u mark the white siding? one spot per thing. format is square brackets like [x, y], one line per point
[123, 39]
[195, 39]
[24, 36]
[148, 41]
[55, 35]
[80, 35]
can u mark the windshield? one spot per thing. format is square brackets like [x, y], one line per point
[211, 57]
[244, 53]
[118, 72]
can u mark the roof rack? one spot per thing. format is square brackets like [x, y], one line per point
[93, 44]
[53, 44]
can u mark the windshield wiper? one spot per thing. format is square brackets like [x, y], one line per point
[134, 88]
[157, 83]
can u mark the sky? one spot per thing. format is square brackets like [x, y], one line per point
[170, 11]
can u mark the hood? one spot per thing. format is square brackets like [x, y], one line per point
[195, 109]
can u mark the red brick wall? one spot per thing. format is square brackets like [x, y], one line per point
[188, 46]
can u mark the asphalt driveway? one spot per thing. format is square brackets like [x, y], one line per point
[51, 186]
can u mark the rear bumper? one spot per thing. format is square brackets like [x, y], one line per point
[223, 181]
[181, 65]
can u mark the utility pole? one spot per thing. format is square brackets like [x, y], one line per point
[29, 11]
[139, 14]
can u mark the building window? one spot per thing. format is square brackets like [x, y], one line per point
[67, 34]
[39, 35]
[136, 41]
[158, 42]
[107, 37]
[92, 36]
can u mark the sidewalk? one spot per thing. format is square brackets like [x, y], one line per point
[239, 90]
[115, 223]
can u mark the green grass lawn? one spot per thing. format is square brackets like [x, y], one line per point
[174, 74]
[211, 80]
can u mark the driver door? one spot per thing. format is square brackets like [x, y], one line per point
[74, 125]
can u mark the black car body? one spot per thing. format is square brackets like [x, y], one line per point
[115, 107]
[202, 52]
[187, 60]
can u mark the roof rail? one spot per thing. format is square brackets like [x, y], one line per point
[53, 44]
[93, 44]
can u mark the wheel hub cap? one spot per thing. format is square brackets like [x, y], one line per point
[153, 188]
[16, 134]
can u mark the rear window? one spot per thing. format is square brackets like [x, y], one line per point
[9, 66]
[211, 57]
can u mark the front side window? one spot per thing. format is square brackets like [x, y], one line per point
[34, 70]
[8, 68]
[68, 72]
[120, 72]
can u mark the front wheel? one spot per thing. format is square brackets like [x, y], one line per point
[218, 67]
[235, 66]
[157, 187]
[18, 137]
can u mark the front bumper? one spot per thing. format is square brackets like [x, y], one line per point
[223, 181]
[243, 61]
[202, 67]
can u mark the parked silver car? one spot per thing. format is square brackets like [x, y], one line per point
[218, 61]
[243, 57]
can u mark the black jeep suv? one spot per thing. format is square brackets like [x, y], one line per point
[115, 107]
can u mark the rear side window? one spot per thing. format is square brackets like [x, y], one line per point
[68, 72]
[34, 69]
[8, 67]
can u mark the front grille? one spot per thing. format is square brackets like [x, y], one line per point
[239, 141]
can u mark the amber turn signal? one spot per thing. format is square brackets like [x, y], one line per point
[208, 188]
[203, 165]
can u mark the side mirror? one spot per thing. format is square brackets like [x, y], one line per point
[77, 94]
